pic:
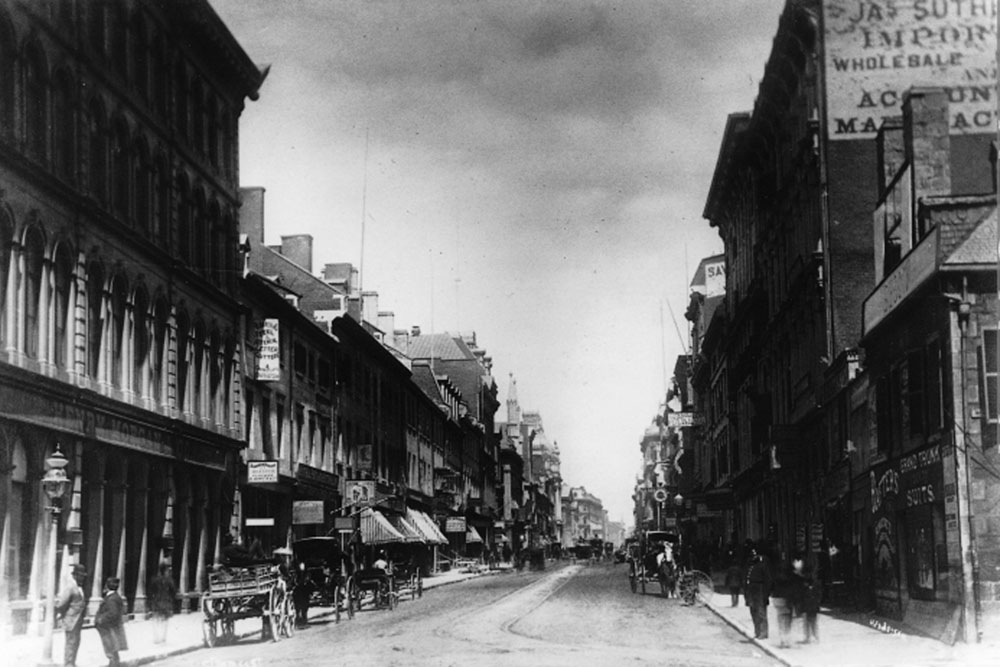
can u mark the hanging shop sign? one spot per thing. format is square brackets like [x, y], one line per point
[684, 419]
[262, 472]
[364, 458]
[875, 51]
[360, 492]
[268, 351]
[306, 512]
[454, 524]
[259, 522]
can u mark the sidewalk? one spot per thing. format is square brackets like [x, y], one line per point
[184, 634]
[850, 639]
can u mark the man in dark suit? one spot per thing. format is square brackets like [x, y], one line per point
[757, 590]
[110, 622]
[70, 606]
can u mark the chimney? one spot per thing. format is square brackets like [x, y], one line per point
[387, 323]
[415, 330]
[928, 145]
[354, 308]
[298, 248]
[891, 151]
[369, 307]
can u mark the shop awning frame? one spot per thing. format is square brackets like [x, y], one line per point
[376, 529]
[405, 528]
[425, 524]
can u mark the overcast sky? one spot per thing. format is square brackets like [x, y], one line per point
[536, 172]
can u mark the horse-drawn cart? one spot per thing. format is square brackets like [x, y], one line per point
[235, 593]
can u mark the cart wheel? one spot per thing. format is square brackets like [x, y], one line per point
[349, 595]
[228, 628]
[273, 611]
[337, 599]
[287, 624]
[704, 588]
[210, 633]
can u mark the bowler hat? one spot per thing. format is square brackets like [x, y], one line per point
[79, 570]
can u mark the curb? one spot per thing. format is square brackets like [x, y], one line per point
[181, 650]
[766, 648]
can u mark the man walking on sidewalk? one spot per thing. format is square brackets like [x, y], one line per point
[70, 605]
[757, 590]
[110, 622]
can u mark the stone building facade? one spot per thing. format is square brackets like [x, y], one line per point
[119, 276]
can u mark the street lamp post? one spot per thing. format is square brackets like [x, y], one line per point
[54, 484]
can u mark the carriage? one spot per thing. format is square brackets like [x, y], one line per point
[254, 590]
[691, 586]
[373, 587]
[320, 562]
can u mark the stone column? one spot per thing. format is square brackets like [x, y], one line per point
[45, 304]
[11, 301]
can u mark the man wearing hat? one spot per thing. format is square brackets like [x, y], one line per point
[70, 606]
[109, 621]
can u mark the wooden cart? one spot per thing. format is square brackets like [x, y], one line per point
[235, 593]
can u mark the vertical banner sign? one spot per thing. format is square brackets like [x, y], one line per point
[268, 351]
[877, 49]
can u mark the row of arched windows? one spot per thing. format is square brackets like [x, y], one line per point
[75, 316]
[122, 169]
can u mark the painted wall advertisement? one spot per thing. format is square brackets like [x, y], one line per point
[268, 351]
[877, 49]
[360, 492]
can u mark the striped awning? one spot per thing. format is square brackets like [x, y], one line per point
[405, 528]
[426, 525]
[376, 529]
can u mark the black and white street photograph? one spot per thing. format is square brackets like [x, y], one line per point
[506, 333]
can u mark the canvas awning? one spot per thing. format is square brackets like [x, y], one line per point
[376, 529]
[472, 536]
[405, 528]
[432, 534]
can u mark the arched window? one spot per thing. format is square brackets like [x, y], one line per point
[7, 69]
[183, 219]
[122, 172]
[200, 233]
[158, 352]
[34, 252]
[140, 57]
[157, 78]
[116, 350]
[214, 245]
[213, 132]
[62, 283]
[198, 117]
[6, 242]
[181, 109]
[63, 141]
[95, 26]
[183, 359]
[199, 367]
[140, 342]
[35, 102]
[214, 376]
[97, 152]
[161, 224]
[119, 42]
[144, 189]
[95, 318]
